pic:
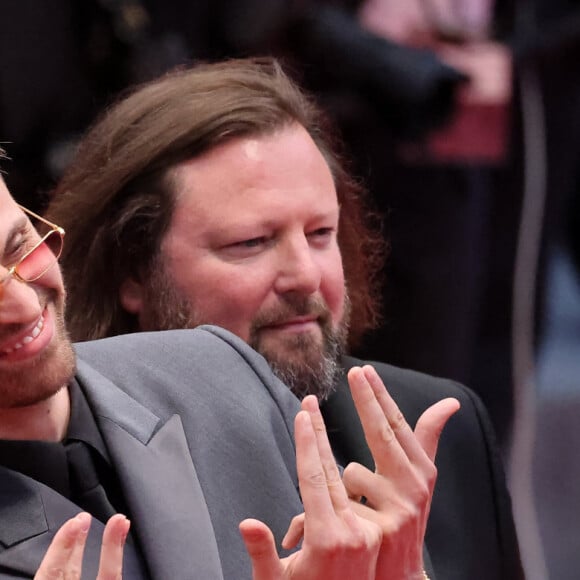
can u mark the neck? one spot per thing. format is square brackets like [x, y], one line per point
[44, 421]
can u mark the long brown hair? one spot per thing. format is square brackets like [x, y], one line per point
[116, 200]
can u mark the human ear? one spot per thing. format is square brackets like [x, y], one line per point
[131, 296]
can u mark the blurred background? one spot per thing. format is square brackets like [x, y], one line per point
[461, 116]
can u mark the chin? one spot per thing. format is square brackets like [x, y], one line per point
[41, 380]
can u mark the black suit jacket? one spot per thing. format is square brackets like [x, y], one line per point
[470, 533]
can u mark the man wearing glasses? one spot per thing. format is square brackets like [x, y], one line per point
[73, 441]
[40, 258]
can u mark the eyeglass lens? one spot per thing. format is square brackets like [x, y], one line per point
[42, 258]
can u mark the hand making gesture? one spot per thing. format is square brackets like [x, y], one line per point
[64, 557]
[397, 495]
[337, 543]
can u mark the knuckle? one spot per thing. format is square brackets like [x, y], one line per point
[386, 434]
[317, 478]
[422, 495]
[414, 512]
[406, 519]
[361, 536]
[399, 422]
[345, 545]
[431, 474]
[333, 477]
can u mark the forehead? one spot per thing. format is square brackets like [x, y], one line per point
[276, 171]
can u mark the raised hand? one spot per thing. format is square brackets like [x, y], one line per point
[64, 557]
[337, 543]
[398, 494]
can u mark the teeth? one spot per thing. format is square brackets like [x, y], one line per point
[27, 339]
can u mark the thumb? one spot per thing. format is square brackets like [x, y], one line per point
[431, 423]
[261, 548]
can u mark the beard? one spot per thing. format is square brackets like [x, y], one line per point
[307, 364]
[30, 382]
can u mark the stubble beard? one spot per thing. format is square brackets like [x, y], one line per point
[29, 383]
[308, 364]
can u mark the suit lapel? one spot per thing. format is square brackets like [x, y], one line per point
[160, 484]
[21, 508]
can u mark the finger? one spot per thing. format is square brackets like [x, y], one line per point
[431, 423]
[261, 548]
[65, 553]
[385, 448]
[311, 477]
[396, 419]
[294, 533]
[360, 481]
[76, 557]
[338, 494]
[114, 536]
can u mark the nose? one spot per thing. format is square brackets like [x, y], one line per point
[298, 269]
[19, 302]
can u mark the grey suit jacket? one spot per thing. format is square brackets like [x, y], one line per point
[201, 435]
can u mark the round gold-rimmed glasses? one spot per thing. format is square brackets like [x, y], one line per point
[42, 257]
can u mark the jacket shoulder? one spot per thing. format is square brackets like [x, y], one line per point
[414, 387]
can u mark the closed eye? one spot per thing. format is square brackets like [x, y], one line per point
[247, 248]
[20, 243]
[321, 236]
[322, 232]
[251, 243]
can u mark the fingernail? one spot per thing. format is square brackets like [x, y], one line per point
[125, 531]
[84, 520]
[310, 403]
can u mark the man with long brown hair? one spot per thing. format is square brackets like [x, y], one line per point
[117, 430]
[215, 195]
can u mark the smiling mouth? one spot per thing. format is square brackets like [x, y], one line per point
[31, 336]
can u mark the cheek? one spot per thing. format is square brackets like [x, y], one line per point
[229, 297]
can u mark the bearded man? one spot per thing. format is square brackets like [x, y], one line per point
[215, 195]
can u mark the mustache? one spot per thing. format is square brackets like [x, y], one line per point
[292, 307]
